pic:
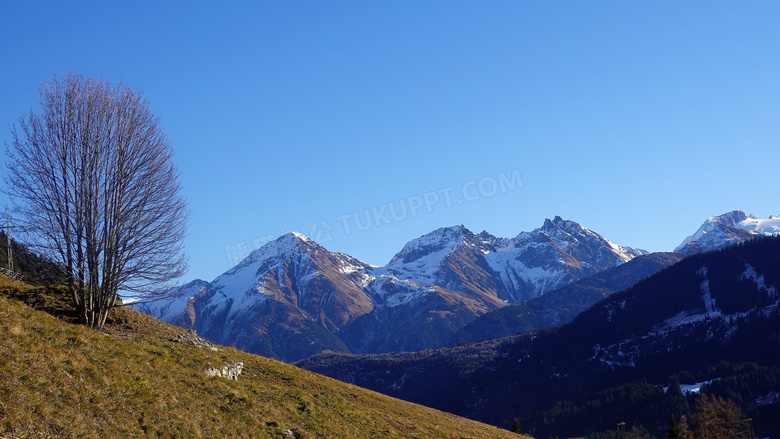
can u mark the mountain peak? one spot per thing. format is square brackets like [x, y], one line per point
[300, 236]
[729, 228]
[490, 238]
[283, 247]
[288, 241]
[452, 230]
[556, 222]
[293, 238]
[444, 239]
[730, 219]
[443, 235]
[558, 226]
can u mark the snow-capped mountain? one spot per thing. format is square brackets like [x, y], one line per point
[285, 300]
[469, 275]
[326, 285]
[452, 258]
[293, 298]
[558, 253]
[727, 229]
[507, 270]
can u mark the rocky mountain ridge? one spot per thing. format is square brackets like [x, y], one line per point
[293, 298]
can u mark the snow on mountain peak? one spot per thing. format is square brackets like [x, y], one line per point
[729, 228]
[285, 245]
[421, 258]
[442, 240]
[562, 232]
[731, 219]
[558, 223]
[300, 236]
[246, 273]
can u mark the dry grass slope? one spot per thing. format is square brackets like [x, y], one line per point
[137, 379]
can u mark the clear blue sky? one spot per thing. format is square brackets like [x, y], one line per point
[637, 119]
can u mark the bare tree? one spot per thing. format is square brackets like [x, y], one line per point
[94, 187]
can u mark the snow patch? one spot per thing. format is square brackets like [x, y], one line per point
[751, 274]
[688, 389]
[396, 292]
[624, 253]
[514, 272]
[706, 296]
[768, 399]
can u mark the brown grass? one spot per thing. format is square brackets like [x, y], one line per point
[135, 379]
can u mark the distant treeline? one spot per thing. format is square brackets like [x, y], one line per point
[35, 268]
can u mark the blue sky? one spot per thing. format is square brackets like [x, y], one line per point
[637, 119]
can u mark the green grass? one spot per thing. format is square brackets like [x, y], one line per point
[138, 379]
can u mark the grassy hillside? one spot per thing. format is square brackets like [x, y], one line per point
[143, 378]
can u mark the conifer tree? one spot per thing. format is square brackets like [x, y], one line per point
[674, 429]
[516, 427]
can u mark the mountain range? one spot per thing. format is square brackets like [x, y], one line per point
[293, 298]
[710, 321]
